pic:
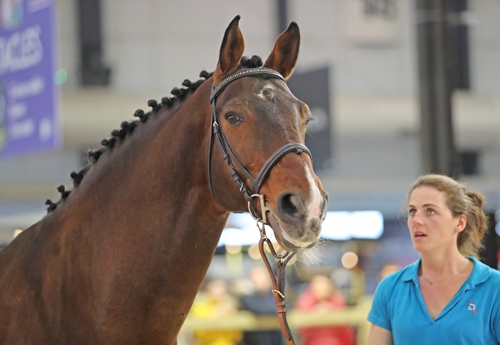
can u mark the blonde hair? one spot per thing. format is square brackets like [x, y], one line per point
[460, 201]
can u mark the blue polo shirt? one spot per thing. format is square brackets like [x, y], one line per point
[472, 317]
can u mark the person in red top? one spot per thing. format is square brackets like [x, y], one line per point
[321, 296]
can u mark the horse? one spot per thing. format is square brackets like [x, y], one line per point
[121, 256]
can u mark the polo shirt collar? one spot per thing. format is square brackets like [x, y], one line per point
[480, 273]
[411, 272]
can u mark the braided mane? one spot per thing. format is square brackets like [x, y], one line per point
[179, 95]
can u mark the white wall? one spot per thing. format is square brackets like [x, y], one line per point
[151, 44]
[485, 47]
[155, 44]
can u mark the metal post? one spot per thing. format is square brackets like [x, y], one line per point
[282, 15]
[437, 142]
[93, 70]
[459, 43]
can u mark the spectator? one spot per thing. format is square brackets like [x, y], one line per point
[215, 302]
[322, 296]
[261, 302]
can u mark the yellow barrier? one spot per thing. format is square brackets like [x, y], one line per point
[247, 321]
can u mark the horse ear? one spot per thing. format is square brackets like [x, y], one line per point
[231, 51]
[285, 52]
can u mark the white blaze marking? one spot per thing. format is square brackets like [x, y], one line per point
[313, 209]
[262, 94]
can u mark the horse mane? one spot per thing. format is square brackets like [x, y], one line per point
[179, 95]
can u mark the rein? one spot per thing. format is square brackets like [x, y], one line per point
[278, 281]
[251, 194]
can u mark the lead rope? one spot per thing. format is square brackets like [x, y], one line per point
[278, 280]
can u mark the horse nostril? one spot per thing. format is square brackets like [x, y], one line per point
[291, 205]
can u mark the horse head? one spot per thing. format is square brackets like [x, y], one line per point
[260, 126]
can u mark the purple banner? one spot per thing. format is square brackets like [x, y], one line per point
[28, 93]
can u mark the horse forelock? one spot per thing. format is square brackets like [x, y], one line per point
[253, 62]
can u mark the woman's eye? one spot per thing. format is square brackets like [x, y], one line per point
[431, 211]
[411, 212]
[233, 119]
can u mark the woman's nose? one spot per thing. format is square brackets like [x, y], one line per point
[416, 218]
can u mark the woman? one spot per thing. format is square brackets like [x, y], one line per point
[448, 296]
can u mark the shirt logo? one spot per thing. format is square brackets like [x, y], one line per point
[472, 307]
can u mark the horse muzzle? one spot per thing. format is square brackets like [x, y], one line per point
[297, 224]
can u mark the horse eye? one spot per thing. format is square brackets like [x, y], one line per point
[233, 119]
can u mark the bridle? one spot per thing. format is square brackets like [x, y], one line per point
[251, 194]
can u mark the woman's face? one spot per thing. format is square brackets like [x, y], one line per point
[430, 221]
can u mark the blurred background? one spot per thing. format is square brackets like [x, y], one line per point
[396, 87]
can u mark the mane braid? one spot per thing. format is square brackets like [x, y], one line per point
[127, 128]
[254, 62]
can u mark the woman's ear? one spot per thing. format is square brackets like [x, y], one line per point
[461, 223]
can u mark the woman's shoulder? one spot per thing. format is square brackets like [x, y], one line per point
[494, 275]
[392, 288]
[396, 280]
[483, 273]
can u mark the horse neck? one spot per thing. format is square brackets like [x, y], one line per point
[156, 184]
[143, 216]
